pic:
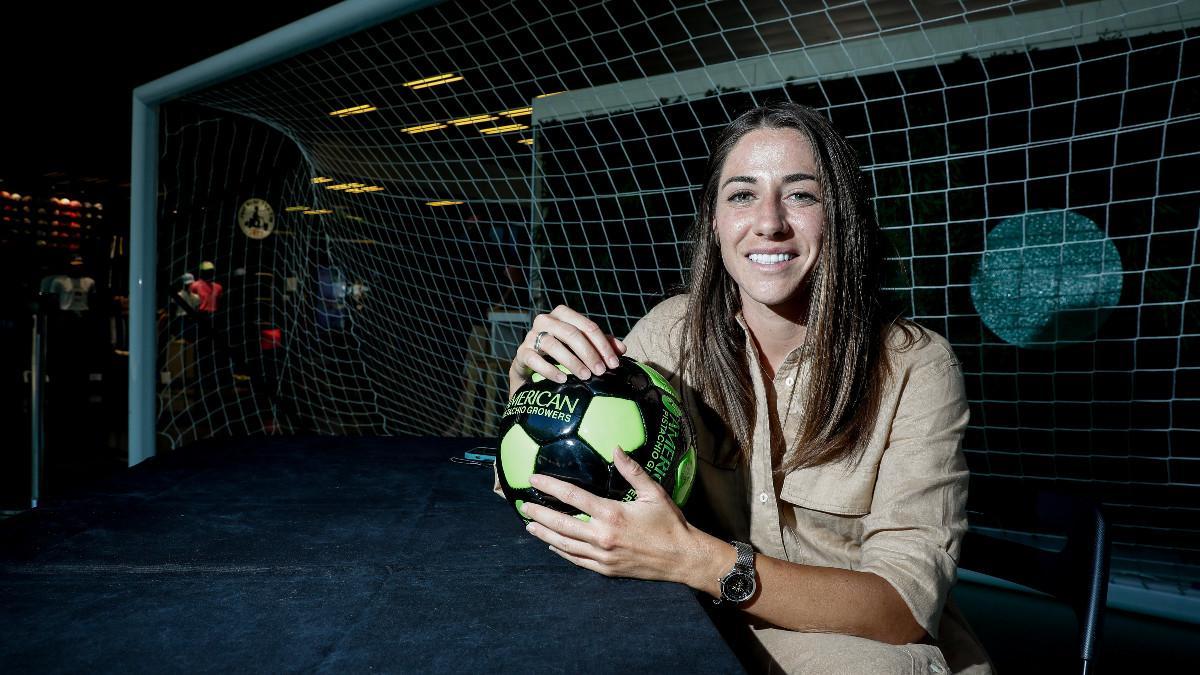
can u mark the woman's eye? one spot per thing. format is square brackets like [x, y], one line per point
[803, 197]
[741, 196]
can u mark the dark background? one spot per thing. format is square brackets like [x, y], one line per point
[65, 129]
[70, 70]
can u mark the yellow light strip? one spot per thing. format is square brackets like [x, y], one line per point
[504, 129]
[293, 209]
[358, 112]
[423, 128]
[553, 93]
[427, 80]
[444, 78]
[431, 84]
[526, 141]
[473, 120]
[445, 202]
[321, 179]
[345, 111]
[371, 188]
[345, 186]
[518, 112]
[317, 212]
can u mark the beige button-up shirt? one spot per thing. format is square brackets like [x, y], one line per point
[899, 512]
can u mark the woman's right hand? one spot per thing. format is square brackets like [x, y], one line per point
[572, 340]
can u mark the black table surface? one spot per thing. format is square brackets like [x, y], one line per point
[321, 555]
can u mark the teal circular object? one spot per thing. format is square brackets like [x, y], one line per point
[1045, 278]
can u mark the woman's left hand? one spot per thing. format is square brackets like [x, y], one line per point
[647, 538]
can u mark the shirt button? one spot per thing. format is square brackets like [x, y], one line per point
[763, 498]
[790, 381]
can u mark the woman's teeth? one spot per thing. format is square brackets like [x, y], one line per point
[774, 259]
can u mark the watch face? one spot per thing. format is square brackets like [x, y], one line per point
[737, 587]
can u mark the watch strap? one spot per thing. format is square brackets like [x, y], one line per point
[745, 556]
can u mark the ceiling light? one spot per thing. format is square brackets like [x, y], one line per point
[423, 86]
[504, 129]
[473, 120]
[444, 78]
[423, 128]
[359, 112]
[352, 111]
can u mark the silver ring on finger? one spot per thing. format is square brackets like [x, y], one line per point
[537, 343]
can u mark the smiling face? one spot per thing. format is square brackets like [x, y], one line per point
[769, 219]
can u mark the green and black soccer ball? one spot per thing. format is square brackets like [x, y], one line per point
[570, 431]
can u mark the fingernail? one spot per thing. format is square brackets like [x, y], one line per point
[560, 378]
[529, 527]
[614, 362]
[598, 368]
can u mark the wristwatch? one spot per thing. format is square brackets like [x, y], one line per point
[739, 584]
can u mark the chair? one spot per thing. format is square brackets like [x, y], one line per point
[1076, 575]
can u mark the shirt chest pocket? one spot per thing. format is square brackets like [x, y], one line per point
[831, 489]
[822, 511]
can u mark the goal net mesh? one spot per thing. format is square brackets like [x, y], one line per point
[429, 184]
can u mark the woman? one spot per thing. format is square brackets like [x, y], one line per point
[830, 497]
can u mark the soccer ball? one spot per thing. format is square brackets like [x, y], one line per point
[570, 431]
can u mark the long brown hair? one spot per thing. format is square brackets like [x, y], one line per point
[847, 328]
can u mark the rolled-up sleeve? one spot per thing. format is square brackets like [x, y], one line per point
[912, 535]
[654, 339]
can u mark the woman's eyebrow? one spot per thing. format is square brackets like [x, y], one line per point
[739, 179]
[797, 177]
[790, 178]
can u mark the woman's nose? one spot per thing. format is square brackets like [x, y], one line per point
[769, 220]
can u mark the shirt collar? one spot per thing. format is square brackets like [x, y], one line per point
[795, 356]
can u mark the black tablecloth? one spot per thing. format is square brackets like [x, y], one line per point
[322, 555]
